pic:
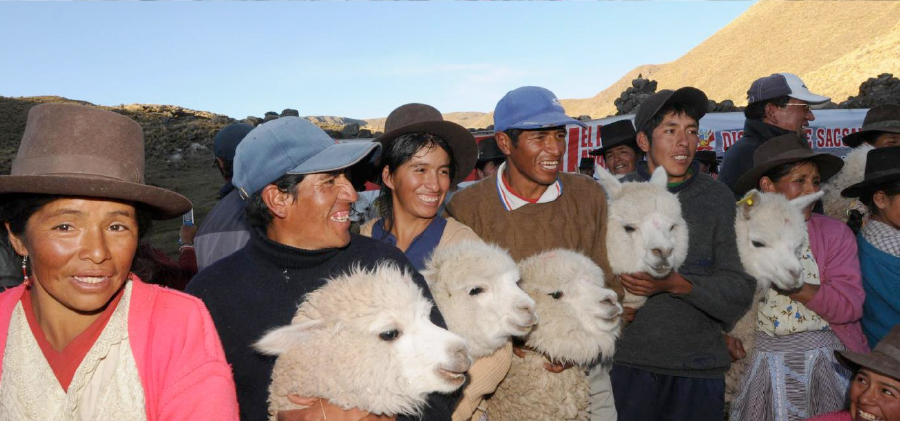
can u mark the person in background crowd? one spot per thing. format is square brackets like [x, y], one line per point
[879, 241]
[528, 206]
[586, 166]
[671, 360]
[423, 157]
[489, 158]
[224, 230]
[880, 129]
[10, 272]
[875, 390]
[294, 179]
[797, 331]
[83, 338]
[620, 151]
[707, 163]
[777, 104]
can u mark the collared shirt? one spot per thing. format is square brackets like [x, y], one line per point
[882, 236]
[512, 201]
[421, 247]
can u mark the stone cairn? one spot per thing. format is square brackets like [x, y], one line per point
[880, 90]
[634, 95]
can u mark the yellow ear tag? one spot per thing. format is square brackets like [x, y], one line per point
[746, 201]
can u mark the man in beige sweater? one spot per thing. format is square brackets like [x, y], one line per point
[528, 206]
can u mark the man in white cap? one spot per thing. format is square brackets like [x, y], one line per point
[776, 105]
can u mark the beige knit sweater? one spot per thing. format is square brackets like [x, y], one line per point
[575, 221]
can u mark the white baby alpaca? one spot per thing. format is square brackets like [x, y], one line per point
[645, 231]
[770, 231]
[578, 323]
[365, 340]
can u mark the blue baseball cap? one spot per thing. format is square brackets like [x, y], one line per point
[292, 145]
[528, 108]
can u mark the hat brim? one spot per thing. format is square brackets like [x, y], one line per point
[870, 184]
[163, 204]
[630, 141]
[810, 98]
[855, 139]
[875, 361]
[828, 164]
[458, 138]
[545, 120]
[336, 157]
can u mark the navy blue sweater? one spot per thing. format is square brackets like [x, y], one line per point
[259, 288]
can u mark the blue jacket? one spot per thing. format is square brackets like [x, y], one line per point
[881, 280]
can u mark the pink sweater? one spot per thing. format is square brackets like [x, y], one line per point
[177, 350]
[840, 298]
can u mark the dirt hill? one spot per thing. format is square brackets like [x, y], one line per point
[831, 45]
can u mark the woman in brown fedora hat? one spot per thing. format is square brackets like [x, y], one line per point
[880, 129]
[792, 370]
[879, 241]
[423, 158]
[83, 338]
[875, 390]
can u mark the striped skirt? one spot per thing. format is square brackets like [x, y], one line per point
[791, 378]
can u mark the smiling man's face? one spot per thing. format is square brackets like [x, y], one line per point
[674, 143]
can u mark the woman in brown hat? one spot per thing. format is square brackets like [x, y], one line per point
[879, 241]
[423, 158]
[875, 389]
[83, 338]
[880, 129]
[792, 370]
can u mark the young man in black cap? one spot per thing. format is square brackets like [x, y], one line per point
[671, 360]
[777, 104]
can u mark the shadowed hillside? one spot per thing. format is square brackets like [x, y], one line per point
[831, 45]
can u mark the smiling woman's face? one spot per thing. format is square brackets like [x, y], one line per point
[80, 250]
[874, 397]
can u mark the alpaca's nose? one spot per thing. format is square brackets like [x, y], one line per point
[795, 273]
[662, 252]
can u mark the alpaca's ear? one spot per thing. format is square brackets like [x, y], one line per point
[659, 177]
[281, 340]
[610, 183]
[803, 201]
[750, 200]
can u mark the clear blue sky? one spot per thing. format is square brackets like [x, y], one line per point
[352, 59]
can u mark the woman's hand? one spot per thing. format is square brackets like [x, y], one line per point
[187, 234]
[321, 410]
[735, 347]
[804, 294]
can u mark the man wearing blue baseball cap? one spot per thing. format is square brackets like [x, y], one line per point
[777, 104]
[294, 179]
[528, 206]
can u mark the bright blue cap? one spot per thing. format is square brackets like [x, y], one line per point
[530, 107]
[291, 145]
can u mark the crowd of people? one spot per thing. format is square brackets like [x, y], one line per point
[93, 327]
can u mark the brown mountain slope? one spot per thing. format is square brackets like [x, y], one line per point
[831, 45]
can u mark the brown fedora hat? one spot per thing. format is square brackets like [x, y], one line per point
[76, 150]
[884, 359]
[882, 167]
[785, 149]
[879, 119]
[421, 118]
